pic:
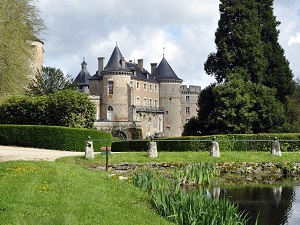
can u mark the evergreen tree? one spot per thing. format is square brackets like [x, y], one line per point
[278, 74]
[19, 23]
[253, 76]
[207, 120]
[238, 46]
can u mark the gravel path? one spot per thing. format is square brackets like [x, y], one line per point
[11, 153]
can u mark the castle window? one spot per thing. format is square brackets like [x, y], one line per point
[187, 98]
[110, 87]
[168, 128]
[187, 120]
[145, 86]
[137, 85]
[138, 101]
[155, 88]
[150, 102]
[155, 103]
[187, 110]
[150, 87]
[145, 101]
[159, 124]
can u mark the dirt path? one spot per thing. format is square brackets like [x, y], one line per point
[11, 153]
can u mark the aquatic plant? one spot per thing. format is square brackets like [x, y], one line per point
[188, 206]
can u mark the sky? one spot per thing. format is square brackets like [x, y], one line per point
[182, 30]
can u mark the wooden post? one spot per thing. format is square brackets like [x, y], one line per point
[106, 161]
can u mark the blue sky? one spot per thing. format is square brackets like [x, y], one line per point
[185, 28]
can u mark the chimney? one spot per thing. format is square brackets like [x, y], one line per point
[153, 67]
[123, 63]
[100, 64]
[141, 63]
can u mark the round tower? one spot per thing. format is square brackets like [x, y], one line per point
[116, 78]
[169, 97]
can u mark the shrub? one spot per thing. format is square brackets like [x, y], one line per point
[51, 137]
[230, 142]
[63, 108]
[130, 146]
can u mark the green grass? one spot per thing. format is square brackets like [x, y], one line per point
[61, 194]
[64, 192]
[187, 157]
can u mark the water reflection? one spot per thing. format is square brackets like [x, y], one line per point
[275, 205]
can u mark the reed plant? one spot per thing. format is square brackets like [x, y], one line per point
[188, 206]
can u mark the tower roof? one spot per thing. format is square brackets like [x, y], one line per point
[164, 71]
[115, 61]
[83, 76]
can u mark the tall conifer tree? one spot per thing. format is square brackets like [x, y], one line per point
[239, 49]
[248, 57]
[278, 74]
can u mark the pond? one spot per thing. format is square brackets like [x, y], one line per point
[273, 204]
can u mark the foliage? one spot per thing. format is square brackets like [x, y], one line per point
[20, 23]
[237, 42]
[61, 193]
[253, 76]
[71, 108]
[237, 106]
[233, 106]
[64, 108]
[48, 80]
[191, 128]
[51, 137]
[293, 108]
[185, 206]
[278, 73]
[130, 146]
[227, 142]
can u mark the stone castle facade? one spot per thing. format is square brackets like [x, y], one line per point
[133, 103]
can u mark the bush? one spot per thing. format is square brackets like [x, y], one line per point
[130, 146]
[230, 142]
[52, 137]
[63, 108]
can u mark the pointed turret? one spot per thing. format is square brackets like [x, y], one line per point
[82, 79]
[165, 72]
[116, 61]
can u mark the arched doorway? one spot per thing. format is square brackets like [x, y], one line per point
[110, 113]
[119, 134]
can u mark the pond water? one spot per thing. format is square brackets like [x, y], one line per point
[274, 205]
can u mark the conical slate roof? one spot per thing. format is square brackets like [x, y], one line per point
[83, 76]
[114, 62]
[164, 71]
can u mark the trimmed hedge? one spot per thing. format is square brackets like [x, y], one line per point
[230, 142]
[130, 146]
[52, 137]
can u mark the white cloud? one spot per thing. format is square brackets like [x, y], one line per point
[186, 29]
[294, 39]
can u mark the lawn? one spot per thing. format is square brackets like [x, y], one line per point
[187, 157]
[67, 192]
[61, 193]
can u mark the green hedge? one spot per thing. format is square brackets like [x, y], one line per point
[230, 142]
[130, 146]
[51, 137]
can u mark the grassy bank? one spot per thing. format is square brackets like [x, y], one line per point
[61, 194]
[188, 157]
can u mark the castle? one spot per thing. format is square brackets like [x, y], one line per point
[133, 103]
